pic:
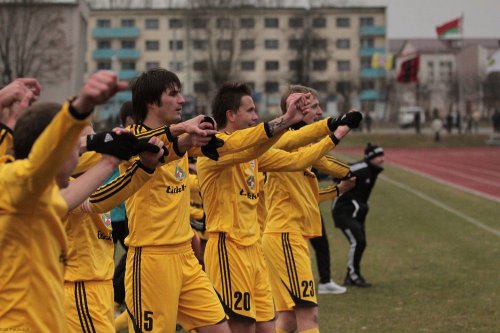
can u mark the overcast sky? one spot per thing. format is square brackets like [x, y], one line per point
[419, 18]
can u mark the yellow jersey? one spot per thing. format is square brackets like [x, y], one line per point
[6, 140]
[32, 238]
[230, 187]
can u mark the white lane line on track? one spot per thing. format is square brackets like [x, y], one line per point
[442, 205]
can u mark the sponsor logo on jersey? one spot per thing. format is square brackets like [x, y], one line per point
[106, 219]
[179, 173]
[175, 189]
[251, 196]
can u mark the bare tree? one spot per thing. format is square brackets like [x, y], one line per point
[32, 41]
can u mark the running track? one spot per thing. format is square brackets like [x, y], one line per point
[476, 169]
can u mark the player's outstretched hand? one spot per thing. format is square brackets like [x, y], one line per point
[347, 185]
[297, 106]
[22, 90]
[98, 88]
[351, 119]
[200, 125]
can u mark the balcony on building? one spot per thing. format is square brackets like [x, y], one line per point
[371, 31]
[370, 95]
[127, 74]
[369, 51]
[120, 54]
[372, 73]
[125, 32]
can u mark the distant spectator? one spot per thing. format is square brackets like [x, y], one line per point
[476, 116]
[437, 125]
[417, 122]
[496, 121]
[368, 121]
[449, 122]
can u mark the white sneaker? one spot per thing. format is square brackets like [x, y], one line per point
[331, 288]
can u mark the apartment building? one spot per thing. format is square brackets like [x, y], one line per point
[329, 48]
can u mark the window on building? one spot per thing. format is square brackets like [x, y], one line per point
[247, 44]
[103, 44]
[430, 70]
[366, 62]
[152, 24]
[343, 88]
[343, 65]
[343, 22]
[367, 85]
[319, 44]
[201, 87]
[294, 65]
[128, 23]
[271, 86]
[224, 44]
[247, 22]
[294, 43]
[128, 65]
[343, 43]
[445, 70]
[224, 65]
[320, 86]
[128, 44]
[175, 23]
[272, 65]
[152, 65]
[271, 22]
[366, 21]
[175, 66]
[248, 65]
[295, 22]
[200, 66]
[367, 42]
[175, 45]
[105, 64]
[199, 23]
[319, 22]
[103, 23]
[152, 45]
[223, 23]
[200, 44]
[271, 44]
[319, 65]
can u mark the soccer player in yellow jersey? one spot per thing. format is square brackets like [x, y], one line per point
[32, 237]
[89, 272]
[293, 216]
[230, 186]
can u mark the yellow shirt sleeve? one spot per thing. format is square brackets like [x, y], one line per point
[308, 134]
[328, 193]
[6, 140]
[280, 160]
[332, 166]
[112, 194]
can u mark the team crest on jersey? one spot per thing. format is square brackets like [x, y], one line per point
[179, 173]
[106, 219]
[251, 182]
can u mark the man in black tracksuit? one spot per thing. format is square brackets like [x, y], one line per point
[350, 210]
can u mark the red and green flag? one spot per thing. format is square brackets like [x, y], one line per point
[453, 27]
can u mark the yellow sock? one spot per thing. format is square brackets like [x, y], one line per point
[311, 330]
[121, 322]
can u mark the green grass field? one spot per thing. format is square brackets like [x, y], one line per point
[433, 270]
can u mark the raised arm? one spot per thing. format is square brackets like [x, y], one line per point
[332, 166]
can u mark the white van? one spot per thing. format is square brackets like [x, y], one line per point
[406, 116]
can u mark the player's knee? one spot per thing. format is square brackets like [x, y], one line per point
[286, 321]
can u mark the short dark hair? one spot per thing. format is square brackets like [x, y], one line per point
[295, 88]
[30, 126]
[148, 88]
[126, 110]
[228, 97]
